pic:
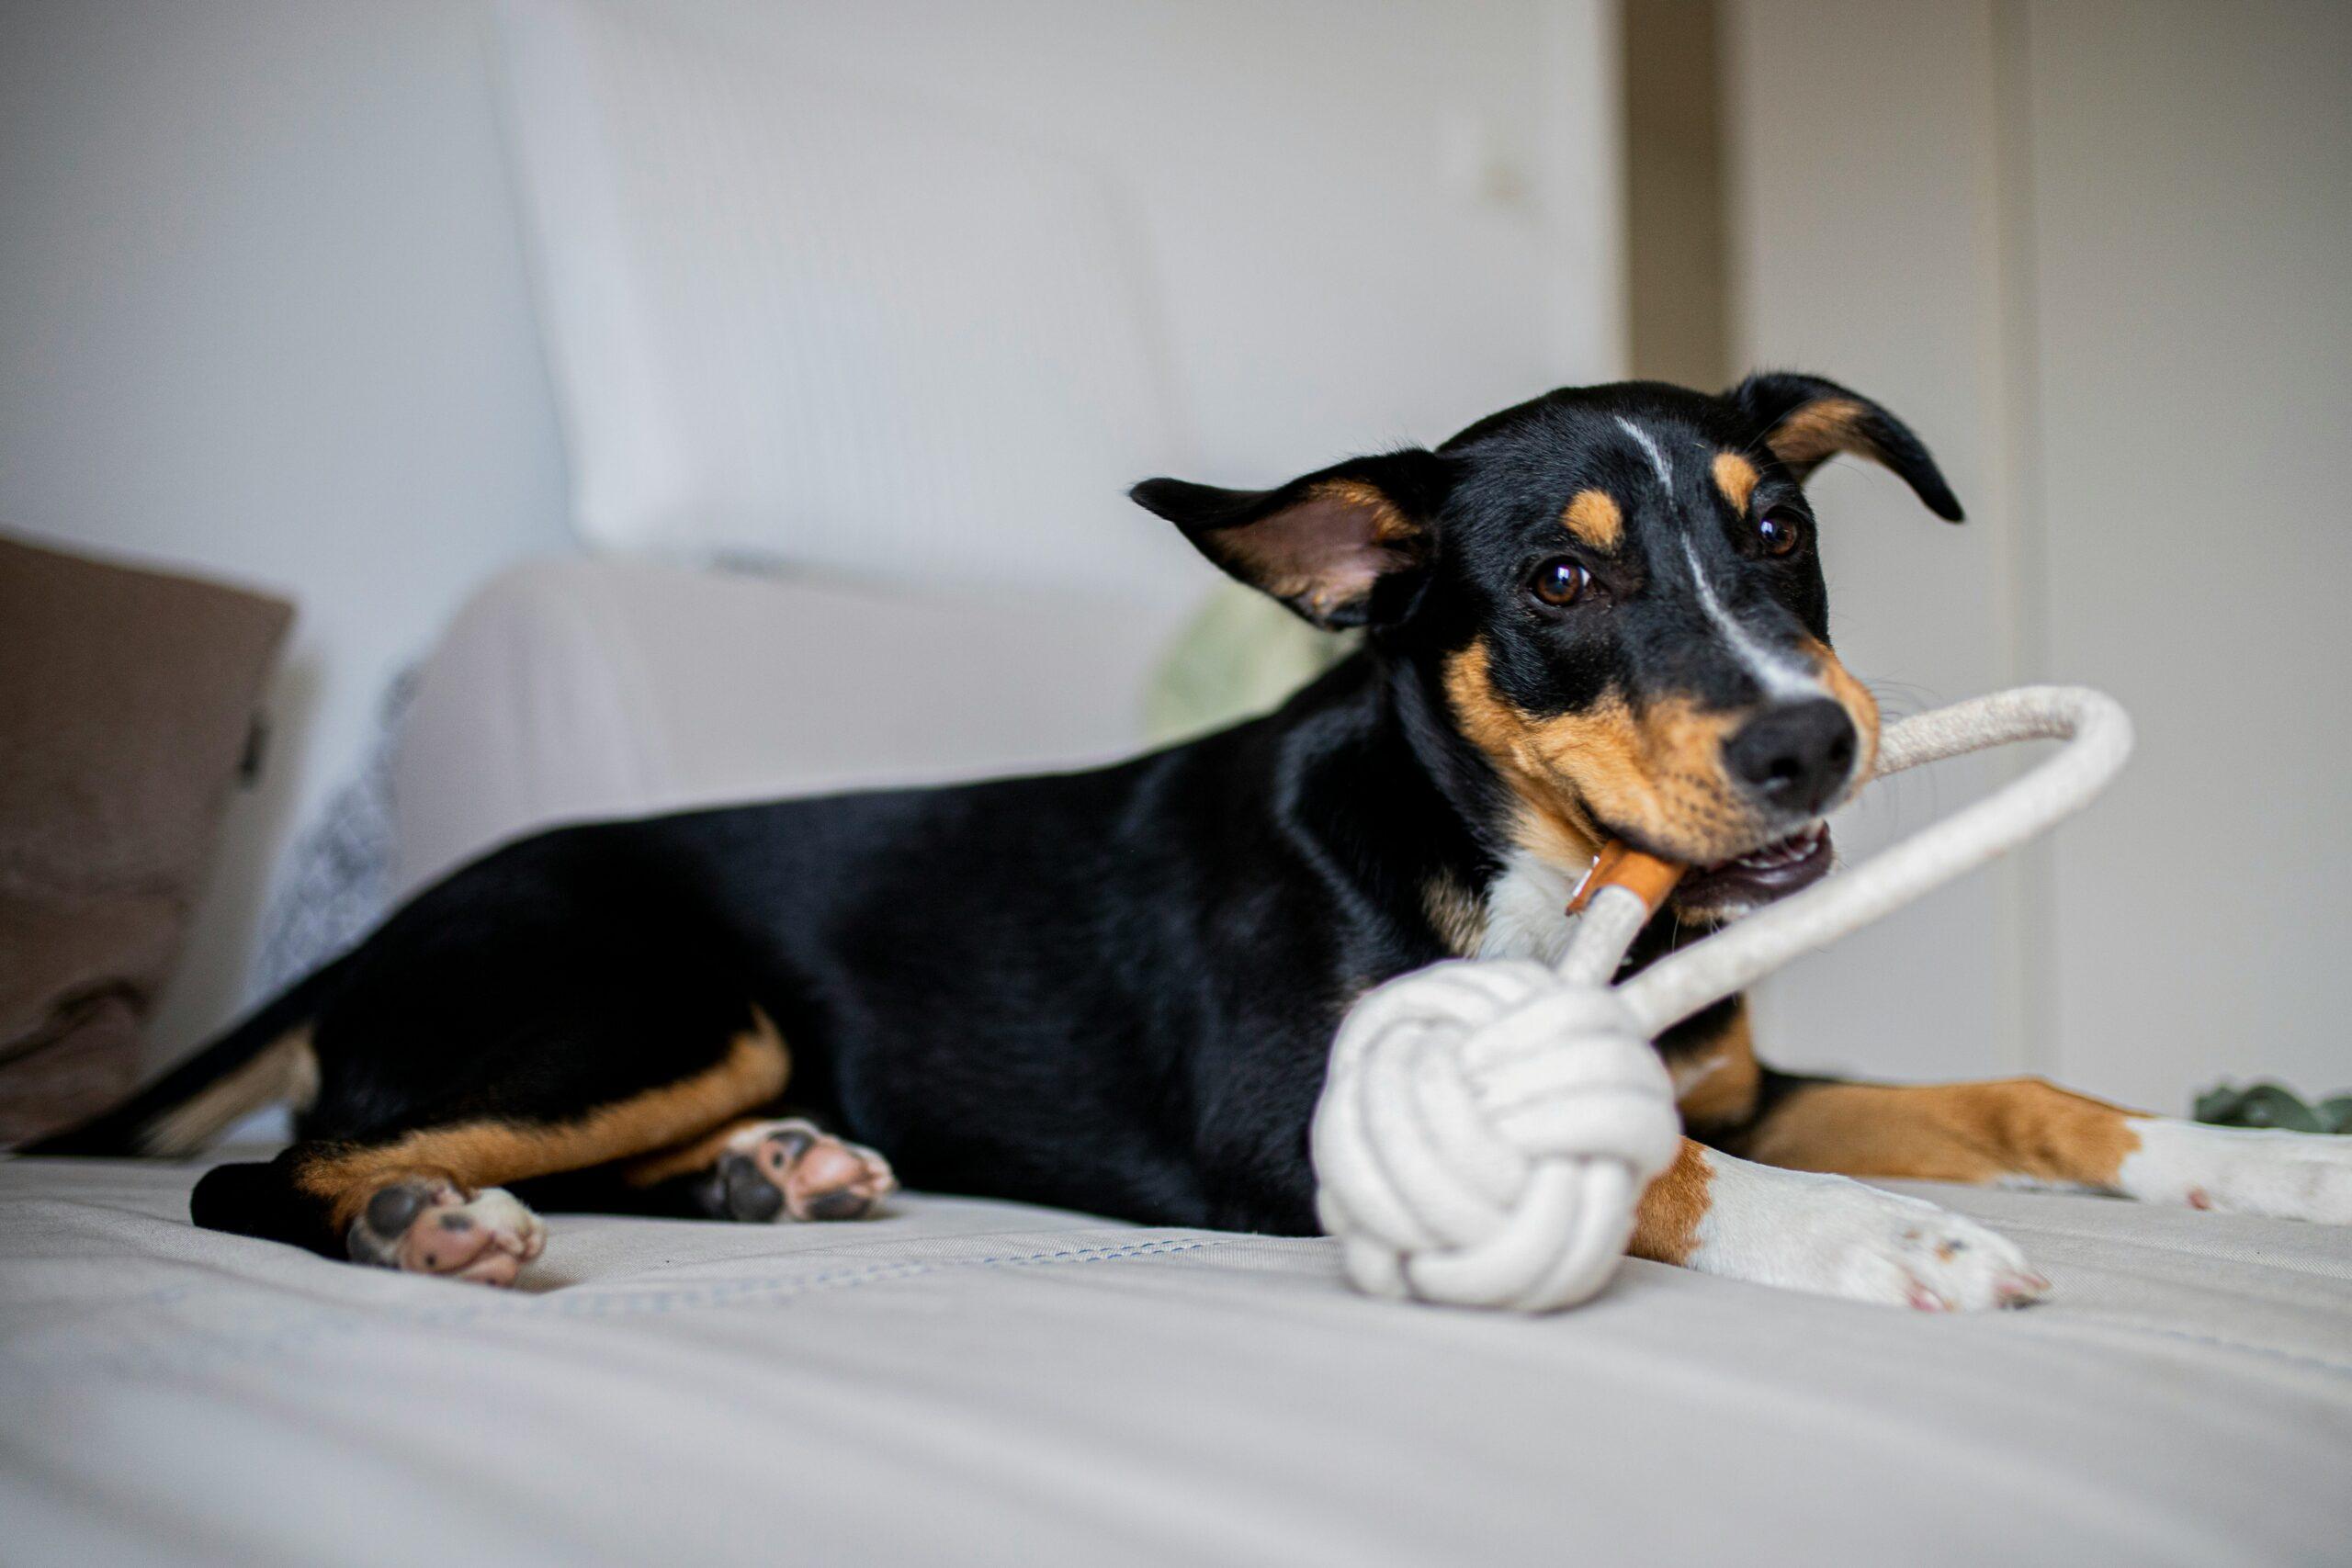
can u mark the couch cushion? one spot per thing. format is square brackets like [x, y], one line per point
[127, 701]
[574, 688]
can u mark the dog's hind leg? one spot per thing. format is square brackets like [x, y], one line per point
[425, 1191]
[418, 1218]
[755, 1168]
[2025, 1132]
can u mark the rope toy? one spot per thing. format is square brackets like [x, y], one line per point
[1488, 1126]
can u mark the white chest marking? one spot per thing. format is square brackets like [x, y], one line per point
[1527, 911]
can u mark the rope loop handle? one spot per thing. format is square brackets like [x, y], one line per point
[1488, 1126]
[2097, 733]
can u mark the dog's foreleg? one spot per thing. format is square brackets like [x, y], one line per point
[1826, 1235]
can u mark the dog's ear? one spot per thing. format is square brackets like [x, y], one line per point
[1806, 421]
[1346, 546]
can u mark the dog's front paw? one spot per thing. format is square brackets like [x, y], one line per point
[425, 1225]
[2241, 1170]
[1834, 1237]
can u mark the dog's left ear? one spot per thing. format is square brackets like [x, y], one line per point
[1346, 546]
[1806, 421]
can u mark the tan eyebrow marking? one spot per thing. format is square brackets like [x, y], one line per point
[1818, 430]
[1736, 477]
[1592, 516]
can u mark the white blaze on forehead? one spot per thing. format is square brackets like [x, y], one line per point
[1778, 672]
[1659, 464]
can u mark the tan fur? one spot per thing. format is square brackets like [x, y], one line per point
[1273, 557]
[1456, 914]
[286, 1069]
[1658, 775]
[1666, 1228]
[1854, 697]
[1818, 430]
[1593, 517]
[492, 1153]
[1389, 525]
[1737, 477]
[1715, 1083]
[680, 1159]
[1962, 1131]
[1565, 841]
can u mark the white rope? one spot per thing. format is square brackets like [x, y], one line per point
[1487, 1127]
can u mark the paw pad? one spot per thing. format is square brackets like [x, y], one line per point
[775, 1169]
[433, 1226]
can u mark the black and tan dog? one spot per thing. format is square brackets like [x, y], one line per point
[1598, 613]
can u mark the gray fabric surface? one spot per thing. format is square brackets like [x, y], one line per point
[974, 1382]
[339, 878]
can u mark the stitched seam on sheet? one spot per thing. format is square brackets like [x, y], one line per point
[352, 1318]
[725, 1292]
[2011, 1227]
[2128, 1325]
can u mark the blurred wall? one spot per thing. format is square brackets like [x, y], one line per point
[1677, 297]
[262, 314]
[2099, 253]
[264, 309]
[1370, 222]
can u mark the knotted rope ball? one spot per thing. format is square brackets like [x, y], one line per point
[1488, 1126]
[1486, 1134]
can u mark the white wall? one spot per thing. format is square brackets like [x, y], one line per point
[2097, 255]
[262, 313]
[2192, 252]
[1861, 254]
[263, 307]
[1372, 222]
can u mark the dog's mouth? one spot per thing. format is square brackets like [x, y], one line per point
[1743, 882]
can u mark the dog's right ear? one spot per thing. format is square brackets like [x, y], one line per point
[1804, 421]
[1346, 546]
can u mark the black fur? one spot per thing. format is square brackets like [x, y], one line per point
[1113, 990]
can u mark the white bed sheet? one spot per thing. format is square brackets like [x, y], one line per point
[975, 1383]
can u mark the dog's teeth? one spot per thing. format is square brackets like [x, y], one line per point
[1797, 846]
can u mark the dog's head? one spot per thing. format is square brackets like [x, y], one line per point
[1615, 595]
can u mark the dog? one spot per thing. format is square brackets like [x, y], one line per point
[1600, 613]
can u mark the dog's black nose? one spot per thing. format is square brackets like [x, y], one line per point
[1795, 758]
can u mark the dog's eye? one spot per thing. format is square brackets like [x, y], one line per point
[1560, 582]
[1780, 531]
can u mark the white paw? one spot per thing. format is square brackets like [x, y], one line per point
[2241, 1170]
[1834, 1237]
[772, 1170]
[434, 1227]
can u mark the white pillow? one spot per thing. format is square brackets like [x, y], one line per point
[794, 319]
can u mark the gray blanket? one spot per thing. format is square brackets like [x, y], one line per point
[971, 1382]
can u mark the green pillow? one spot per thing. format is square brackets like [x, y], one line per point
[2273, 1105]
[1240, 656]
